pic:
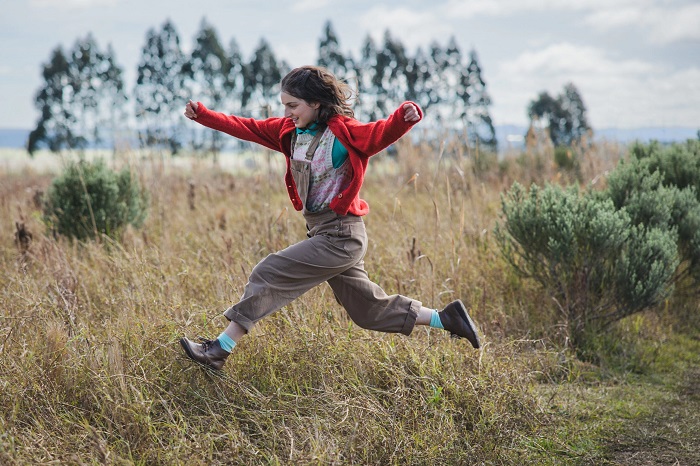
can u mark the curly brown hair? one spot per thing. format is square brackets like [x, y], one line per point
[317, 84]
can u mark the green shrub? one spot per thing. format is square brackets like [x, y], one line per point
[598, 266]
[89, 199]
[606, 255]
[566, 158]
[678, 163]
[659, 188]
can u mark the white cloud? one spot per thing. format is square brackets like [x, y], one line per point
[412, 28]
[310, 5]
[472, 8]
[666, 22]
[622, 93]
[71, 4]
[664, 25]
[613, 18]
[676, 25]
[565, 59]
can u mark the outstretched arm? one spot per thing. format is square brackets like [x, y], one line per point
[266, 132]
[369, 138]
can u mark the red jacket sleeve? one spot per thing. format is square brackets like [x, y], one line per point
[370, 138]
[266, 132]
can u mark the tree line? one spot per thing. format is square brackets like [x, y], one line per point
[84, 101]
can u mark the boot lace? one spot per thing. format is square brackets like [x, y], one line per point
[206, 344]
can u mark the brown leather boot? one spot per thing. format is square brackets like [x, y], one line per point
[456, 320]
[209, 353]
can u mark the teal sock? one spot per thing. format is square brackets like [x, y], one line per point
[435, 320]
[226, 342]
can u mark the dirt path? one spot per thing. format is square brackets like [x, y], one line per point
[671, 436]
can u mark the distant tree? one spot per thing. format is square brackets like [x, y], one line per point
[366, 69]
[418, 81]
[382, 75]
[412, 74]
[54, 126]
[262, 78]
[114, 96]
[543, 110]
[235, 77]
[572, 104]
[208, 72]
[455, 85]
[330, 56]
[439, 89]
[390, 77]
[479, 123]
[82, 100]
[160, 89]
[564, 116]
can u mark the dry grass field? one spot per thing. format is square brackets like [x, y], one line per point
[91, 371]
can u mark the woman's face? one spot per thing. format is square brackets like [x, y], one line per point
[299, 111]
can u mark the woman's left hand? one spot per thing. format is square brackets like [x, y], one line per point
[410, 113]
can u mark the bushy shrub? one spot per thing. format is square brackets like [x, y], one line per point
[609, 254]
[678, 163]
[89, 199]
[659, 187]
[597, 265]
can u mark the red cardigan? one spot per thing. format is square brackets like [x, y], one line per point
[362, 140]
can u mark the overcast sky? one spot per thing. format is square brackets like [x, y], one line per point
[636, 63]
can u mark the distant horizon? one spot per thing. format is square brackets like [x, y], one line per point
[15, 138]
[504, 125]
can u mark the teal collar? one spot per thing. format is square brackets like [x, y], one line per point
[312, 129]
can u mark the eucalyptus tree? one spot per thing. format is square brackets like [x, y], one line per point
[262, 77]
[207, 71]
[366, 69]
[385, 64]
[419, 82]
[82, 100]
[436, 86]
[235, 79]
[572, 103]
[160, 90]
[564, 116]
[479, 123]
[54, 127]
[330, 55]
[454, 86]
[394, 59]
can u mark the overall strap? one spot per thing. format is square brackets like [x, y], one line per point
[314, 142]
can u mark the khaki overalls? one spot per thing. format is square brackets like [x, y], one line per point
[333, 253]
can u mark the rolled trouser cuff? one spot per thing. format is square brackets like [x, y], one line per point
[234, 316]
[411, 317]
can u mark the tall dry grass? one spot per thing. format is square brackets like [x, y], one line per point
[91, 371]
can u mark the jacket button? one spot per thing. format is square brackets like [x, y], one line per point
[340, 196]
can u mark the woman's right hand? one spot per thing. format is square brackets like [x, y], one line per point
[191, 110]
